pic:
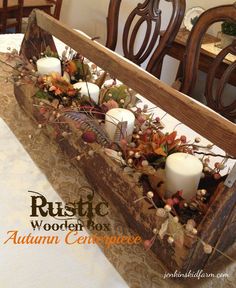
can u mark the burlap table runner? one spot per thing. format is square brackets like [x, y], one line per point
[139, 268]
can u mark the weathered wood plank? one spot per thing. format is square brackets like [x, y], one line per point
[36, 40]
[214, 225]
[198, 117]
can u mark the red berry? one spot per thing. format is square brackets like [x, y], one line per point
[183, 139]
[170, 202]
[123, 142]
[217, 176]
[175, 201]
[149, 131]
[42, 110]
[141, 119]
[89, 136]
[147, 244]
[217, 164]
[180, 192]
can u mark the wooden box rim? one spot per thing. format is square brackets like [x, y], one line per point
[200, 118]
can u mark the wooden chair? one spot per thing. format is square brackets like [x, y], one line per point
[52, 7]
[45, 5]
[148, 12]
[6, 21]
[218, 69]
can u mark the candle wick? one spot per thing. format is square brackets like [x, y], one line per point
[88, 90]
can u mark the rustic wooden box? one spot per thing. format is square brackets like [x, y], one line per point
[218, 227]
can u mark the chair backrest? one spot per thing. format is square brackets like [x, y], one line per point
[7, 7]
[214, 94]
[149, 13]
[45, 5]
[57, 8]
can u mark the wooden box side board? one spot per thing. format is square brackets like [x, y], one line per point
[221, 214]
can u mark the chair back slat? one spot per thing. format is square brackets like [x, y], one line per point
[214, 94]
[149, 13]
[7, 9]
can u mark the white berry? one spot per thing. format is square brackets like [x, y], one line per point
[170, 240]
[167, 208]
[207, 248]
[150, 194]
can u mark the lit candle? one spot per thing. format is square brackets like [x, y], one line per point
[88, 89]
[48, 65]
[183, 172]
[119, 121]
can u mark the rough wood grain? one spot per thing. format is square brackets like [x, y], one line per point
[198, 117]
[35, 40]
[214, 226]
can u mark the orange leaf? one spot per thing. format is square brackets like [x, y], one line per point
[174, 144]
[171, 137]
[163, 140]
[71, 67]
[156, 139]
[140, 147]
[154, 146]
[160, 151]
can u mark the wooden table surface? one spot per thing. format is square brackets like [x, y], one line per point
[208, 52]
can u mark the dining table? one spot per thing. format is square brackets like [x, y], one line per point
[210, 48]
[30, 161]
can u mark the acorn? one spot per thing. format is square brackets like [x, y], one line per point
[89, 136]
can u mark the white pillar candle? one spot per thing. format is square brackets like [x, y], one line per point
[183, 172]
[88, 89]
[48, 65]
[118, 115]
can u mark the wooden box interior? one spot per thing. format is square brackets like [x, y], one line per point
[218, 225]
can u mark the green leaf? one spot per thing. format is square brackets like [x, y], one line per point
[83, 70]
[41, 94]
[48, 52]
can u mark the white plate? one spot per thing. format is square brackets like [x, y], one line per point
[191, 17]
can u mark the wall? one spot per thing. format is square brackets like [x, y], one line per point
[90, 17]
[86, 15]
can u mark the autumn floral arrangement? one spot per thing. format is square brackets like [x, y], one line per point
[85, 94]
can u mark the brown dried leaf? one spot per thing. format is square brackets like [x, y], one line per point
[114, 155]
[157, 181]
[177, 230]
[101, 79]
[164, 228]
